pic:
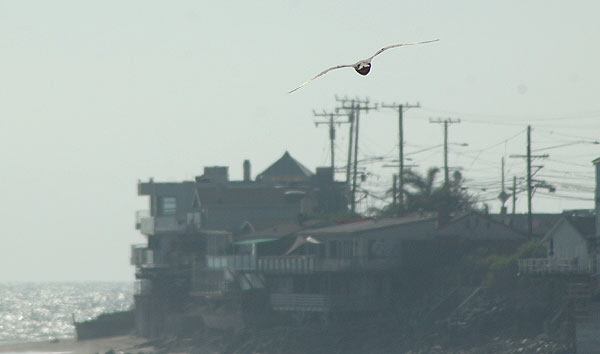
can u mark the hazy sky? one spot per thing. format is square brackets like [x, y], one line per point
[96, 95]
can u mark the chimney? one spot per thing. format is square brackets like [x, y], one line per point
[247, 171]
[324, 174]
[216, 174]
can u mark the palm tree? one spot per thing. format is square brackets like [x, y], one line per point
[424, 193]
[420, 190]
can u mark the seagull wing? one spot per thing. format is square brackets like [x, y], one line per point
[394, 46]
[322, 73]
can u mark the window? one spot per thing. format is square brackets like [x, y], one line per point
[167, 206]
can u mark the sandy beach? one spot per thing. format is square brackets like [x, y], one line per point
[120, 344]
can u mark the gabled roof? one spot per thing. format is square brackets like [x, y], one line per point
[585, 225]
[286, 169]
[542, 223]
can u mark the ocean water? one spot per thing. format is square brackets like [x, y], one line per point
[32, 312]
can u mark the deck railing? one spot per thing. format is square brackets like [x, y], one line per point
[305, 302]
[310, 264]
[552, 266]
[151, 225]
[236, 262]
[325, 302]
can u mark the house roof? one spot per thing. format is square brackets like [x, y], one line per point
[286, 169]
[283, 229]
[367, 225]
[542, 223]
[585, 225]
[476, 226]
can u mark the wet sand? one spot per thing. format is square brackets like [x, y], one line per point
[120, 344]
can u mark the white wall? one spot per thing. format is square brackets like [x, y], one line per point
[568, 244]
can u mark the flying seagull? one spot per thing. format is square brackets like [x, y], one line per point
[362, 66]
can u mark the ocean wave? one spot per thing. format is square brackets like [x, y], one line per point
[32, 312]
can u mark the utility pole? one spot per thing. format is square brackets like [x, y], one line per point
[394, 192]
[350, 143]
[514, 195]
[503, 196]
[529, 157]
[445, 122]
[354, 108]
[331, 123]
[529, 187]
[400, 189]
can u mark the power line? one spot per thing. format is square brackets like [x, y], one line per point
[537, 118]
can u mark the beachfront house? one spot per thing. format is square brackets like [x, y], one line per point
[190, 228]
[346, 268]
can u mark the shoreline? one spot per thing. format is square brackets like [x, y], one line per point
[127, 343]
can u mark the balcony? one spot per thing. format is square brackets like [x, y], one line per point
[311, 264]
[141, 256]
[233, 262]
[326, 302]
[553, 266]
[152, 225]
[148, 262]
[139, 215]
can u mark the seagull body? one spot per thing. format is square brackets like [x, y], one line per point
[362, 67]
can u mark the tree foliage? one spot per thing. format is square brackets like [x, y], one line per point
[423, 192]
